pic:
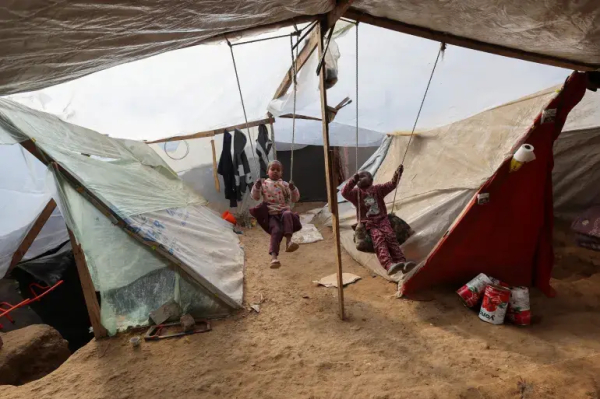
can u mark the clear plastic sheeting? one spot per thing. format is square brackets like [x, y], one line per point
[76, 38]
[444, 167]
[22, 198]
[136, 184]
[201, 239]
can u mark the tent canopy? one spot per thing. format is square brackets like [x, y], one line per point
[444, 169]
[44, 43]
[134, 218]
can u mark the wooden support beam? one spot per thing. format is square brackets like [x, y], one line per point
[472, 44]
[215, 167]
[330, 175]
[311, 44]
[175, 263]
[303, 56]
[32, 234]
[89, 291]
[211, 133]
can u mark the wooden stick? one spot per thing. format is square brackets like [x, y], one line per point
[273, 140]
[438, 36]
[211, 133]
[87, 285]
[215, 167]
[329, 170]
[185, 270]
[32, 234]
[302, 59]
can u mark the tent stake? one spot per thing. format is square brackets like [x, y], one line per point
[87, 286]
[329, 170]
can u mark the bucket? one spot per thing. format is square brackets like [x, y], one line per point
[472, 292]
[519, 311]
[495, 303]
[229, 217]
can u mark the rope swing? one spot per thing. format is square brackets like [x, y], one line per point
[440, 53]
[295, 89]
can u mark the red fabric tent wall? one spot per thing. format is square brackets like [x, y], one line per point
[509, 238]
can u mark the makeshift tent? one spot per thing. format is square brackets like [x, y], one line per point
[81, 37]
[456, 237]
[147, 238]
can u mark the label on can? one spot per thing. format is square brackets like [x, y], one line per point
[472, 292]
[495, 303]
[519, 311]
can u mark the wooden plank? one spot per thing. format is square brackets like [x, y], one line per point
[89, 291]
[330, 173]
[211, 133]
[311, 44]
[472, 44]
[185, 270]
[273, 140]
[303, 56]
[215, 167]
[32, 234]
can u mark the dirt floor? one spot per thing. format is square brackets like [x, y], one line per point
[297, 347]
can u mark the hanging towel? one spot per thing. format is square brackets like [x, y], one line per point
[243, 175]
[263, 148]
[227, 170]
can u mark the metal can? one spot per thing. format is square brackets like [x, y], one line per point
[471, 293]
[519, 311]
[495, 303]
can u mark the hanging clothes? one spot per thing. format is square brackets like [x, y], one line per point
[263, 148]
[243, 175]
[227, 170]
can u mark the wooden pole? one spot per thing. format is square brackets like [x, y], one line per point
[215, 167]
[87, 285]
[32, 234]
[211, 133]
[329, 170]
[273, 140]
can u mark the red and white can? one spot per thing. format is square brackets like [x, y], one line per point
[499, 282]
[495, 303]
[519, 311]
[472, 292]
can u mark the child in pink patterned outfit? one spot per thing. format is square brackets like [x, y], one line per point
[278, 195]
[373, 215]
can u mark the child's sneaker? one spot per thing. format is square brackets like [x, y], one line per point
[395, 268]
[275, 264]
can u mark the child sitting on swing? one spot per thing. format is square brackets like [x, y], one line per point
[282, 222]
[373, 215]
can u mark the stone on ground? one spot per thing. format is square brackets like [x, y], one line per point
[30, 353]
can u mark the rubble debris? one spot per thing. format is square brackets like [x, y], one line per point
[170, 311]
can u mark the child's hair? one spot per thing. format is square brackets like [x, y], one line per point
[273, 163]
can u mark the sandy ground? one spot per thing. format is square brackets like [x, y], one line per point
[297, 347]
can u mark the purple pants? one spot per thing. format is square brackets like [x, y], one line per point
[280, 226]
[385, 243]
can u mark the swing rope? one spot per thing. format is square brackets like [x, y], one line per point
[440, 52]
[295, 84]
[356, 150]
[243, 107]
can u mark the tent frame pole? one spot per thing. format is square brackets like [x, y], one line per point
[87, 286]
[32, 234]
[330, 173]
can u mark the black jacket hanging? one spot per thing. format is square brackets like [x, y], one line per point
[243, 175]
[263, 148]
[227, 170]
